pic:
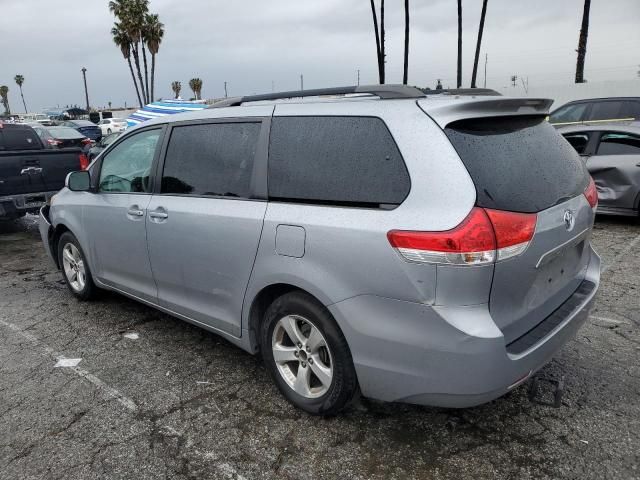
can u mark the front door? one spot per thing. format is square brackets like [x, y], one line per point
[115, 216]
[615, 168]
[204, 227]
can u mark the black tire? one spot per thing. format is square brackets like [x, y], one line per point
[89, 290]
[344, 383]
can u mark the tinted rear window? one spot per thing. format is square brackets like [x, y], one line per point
[65, 133]
[336, 160]
[606, 110]
[211, 159]
[19, 138]
[521, 164]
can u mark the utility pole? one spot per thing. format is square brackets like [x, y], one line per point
[225, 90]
[358, 77]
[301, 82]
[486, 58]
[86, 93]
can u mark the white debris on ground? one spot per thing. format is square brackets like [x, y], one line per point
[67, 362]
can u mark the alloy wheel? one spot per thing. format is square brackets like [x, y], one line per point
[74, 268]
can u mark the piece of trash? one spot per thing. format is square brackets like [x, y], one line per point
[585, 442]
[131, 336]
[204, 383]
[67, 362]
[166, 374]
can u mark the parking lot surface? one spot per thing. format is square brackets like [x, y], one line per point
[153, 397]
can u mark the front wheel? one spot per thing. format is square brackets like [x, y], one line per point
[75, 268]
[307, 355]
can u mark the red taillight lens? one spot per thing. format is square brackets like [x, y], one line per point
[591, 193]
[84, 162]
[86, 141]
[513, 231]
[53, 141]
[483, 237]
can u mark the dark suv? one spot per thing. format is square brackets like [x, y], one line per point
[597, 110]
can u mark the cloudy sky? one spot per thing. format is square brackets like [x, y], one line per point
[257, 44]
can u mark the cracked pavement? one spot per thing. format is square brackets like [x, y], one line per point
[181, 403]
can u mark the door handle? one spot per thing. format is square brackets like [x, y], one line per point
[135, 212]
[160, 215]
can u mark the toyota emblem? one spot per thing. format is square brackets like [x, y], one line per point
[569, 220]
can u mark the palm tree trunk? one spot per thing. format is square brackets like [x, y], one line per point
[153, 73]
[478, 44]
[133, 77]
[23, 103]
[377, 34]
[459, 75]
[406, 42]
[136, 60]
[146, 72]
[383, 56]
[582, 42]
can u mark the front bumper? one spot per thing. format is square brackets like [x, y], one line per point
[410, 352]
[46, 232]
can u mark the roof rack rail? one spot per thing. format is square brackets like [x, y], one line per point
[461, 91]
[381, 91]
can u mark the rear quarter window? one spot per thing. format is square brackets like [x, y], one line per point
[520, 164]
[19, 138]
[351, 161]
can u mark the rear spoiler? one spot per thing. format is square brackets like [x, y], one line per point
[464, 108]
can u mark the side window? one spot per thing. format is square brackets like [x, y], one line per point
[335, 160]
[211, 159]
[570, 113]
[631, 110]
[127, 167]
[605, 110]
[619, 144]
[578, 141]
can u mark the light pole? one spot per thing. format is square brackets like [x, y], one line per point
[86, 92]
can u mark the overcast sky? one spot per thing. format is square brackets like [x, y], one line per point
[252, 43]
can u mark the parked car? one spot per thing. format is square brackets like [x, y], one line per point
[597, 110]
[431, 250]
[29, 173]
[62, 137]
[111, 125]
[85, 127]
[107, 140]
[612, 155]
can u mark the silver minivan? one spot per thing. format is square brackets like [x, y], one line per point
[424, 249]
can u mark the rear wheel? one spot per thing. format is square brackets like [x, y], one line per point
[307, 355]
[75, 268]
[108, 130]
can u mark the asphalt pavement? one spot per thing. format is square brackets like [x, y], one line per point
[116, 390]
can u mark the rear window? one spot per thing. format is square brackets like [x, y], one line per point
[520, 164]
[351, 161]
[65, 133]
[19, 138]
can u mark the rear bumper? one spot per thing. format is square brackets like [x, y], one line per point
[450, 356]
[13, 206]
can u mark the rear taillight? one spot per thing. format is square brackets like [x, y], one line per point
[53, 142]
[591, 193]
[84, 162]
[484, 236]
[86, 141]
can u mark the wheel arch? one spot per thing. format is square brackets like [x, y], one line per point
[261, 301]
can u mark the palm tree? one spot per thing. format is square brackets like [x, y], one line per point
[195, 84]
[131, 14]
[379, 33]
[20, 80]
[153, 33]
[582, 42]
[478, 44]
[176, 86]
[4, 95]
[121, 39]
[406, 42]
[459, 74]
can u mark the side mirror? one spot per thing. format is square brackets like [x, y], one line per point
[78, 181]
